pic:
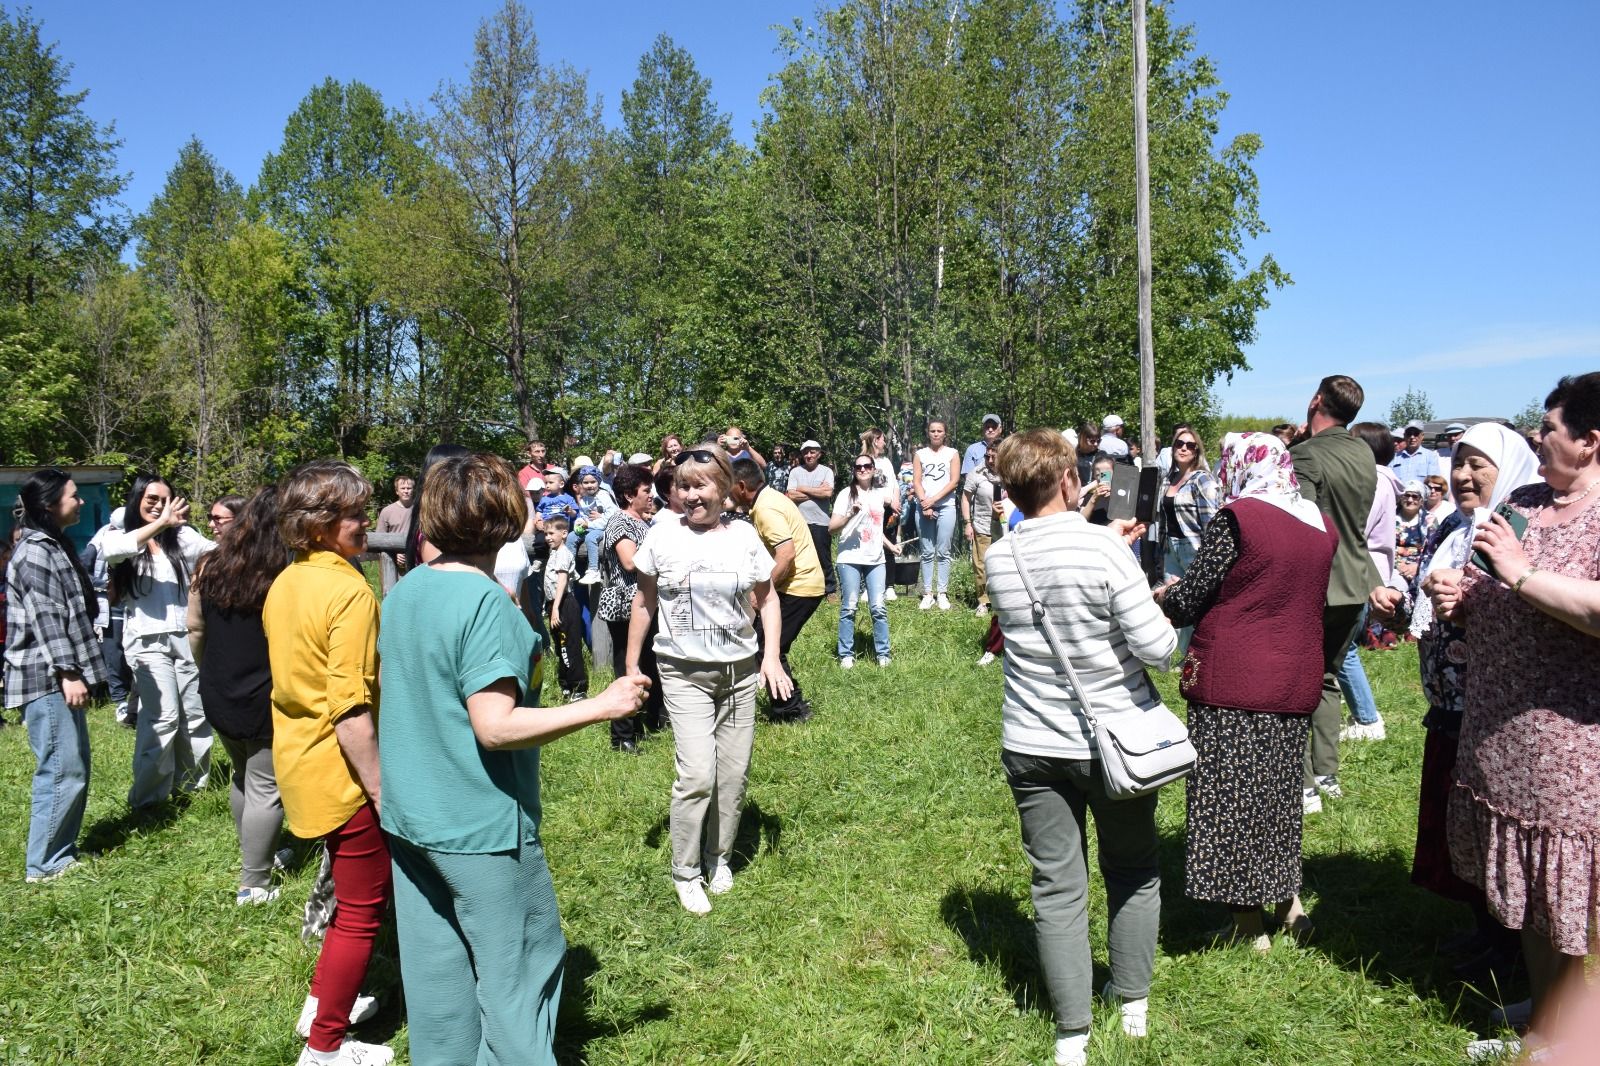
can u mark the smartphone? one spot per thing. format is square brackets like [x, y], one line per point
[1519, 526]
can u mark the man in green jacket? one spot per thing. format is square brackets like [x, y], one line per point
[1336, 473]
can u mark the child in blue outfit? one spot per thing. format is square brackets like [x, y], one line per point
[595, 505]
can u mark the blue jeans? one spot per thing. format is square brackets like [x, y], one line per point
[1352, 680]
[59, 737]
[936, 533]
[591, 542]
[851, 576]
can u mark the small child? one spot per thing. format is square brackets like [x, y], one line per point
[595, 507]
[566, 617]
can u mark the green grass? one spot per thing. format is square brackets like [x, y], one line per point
[881, 912]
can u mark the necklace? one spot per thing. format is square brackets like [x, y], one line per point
[1559, 502]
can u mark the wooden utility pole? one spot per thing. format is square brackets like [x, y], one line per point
[1141, 152]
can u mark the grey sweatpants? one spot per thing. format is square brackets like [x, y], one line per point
[1052, 797]
[713, 711]
[257, 808]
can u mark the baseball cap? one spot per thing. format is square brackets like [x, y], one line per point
[992, 418]
[810, 444]
[1455, 427]
[1111, 422]
[1413, 425]
[639, 457]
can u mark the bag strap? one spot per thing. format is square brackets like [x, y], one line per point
[1041, 618]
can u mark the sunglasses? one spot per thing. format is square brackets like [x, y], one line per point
[865, 466]
[699, 455]
[222, 518]
[1184, 445]
[1410, 496]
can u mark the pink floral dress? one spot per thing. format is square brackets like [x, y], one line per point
[1524, 819]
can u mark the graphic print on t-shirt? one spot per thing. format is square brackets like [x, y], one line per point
[706, 602]
[938, 473]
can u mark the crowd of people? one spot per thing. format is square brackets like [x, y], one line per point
[704, 563]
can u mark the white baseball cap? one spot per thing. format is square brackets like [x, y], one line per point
[810, 444]
[1111, 422]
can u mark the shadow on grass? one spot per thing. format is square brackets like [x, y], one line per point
[755, 826]
[577, 1024]
[109, 834]
[998, 933]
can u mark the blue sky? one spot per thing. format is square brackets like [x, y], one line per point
[1428, 171]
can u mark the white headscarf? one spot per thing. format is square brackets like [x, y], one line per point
[1257, 466]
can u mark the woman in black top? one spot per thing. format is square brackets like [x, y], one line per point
[236, 679]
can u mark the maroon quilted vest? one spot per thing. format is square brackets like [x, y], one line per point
[1259, 647]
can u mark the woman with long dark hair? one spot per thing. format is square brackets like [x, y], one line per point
[152, 561]
[236, 678]
[52, 660]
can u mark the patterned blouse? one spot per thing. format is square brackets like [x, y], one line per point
[1194, 505]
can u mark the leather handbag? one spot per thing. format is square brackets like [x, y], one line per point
[1138, 753]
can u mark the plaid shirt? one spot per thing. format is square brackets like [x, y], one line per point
[49, 631]
[1194, 505]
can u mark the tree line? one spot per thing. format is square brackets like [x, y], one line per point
[935, 217]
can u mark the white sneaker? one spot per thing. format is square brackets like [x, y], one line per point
[884, 660]
[889, 593]
[944, 602]
[1328, 785]
[364, 1007]
[590, 577]
[986, 658]
[1311, 801]
[847, 663]
[692, 894]
[1363, 731]
[982, 610]
[721, 879]
[254, 895]
[40, 879]
[925, 602]
[1493, 1050]
[1072, 1050]
[350, 1053]
[1135, 1012]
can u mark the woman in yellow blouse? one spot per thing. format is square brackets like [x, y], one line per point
[321, 621]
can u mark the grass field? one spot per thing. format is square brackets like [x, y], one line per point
[881, 913]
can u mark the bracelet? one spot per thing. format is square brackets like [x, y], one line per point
[1526, 574]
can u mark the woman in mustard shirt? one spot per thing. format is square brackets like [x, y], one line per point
[321, 621]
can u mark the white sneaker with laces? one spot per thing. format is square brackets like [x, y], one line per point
[889, 593]
[350, 1053]
[1311, 802]
[721, 878]
[986, 658]
[884, 660]
[944, 602]
[1135, 1012]
[847, 663]
[925, 602]
[364, 1007]
[246, 896]
[1328, 785]
[590, 577]
[692, 894]
[1363, 731]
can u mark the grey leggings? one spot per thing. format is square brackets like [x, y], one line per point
[1052, 797]
[257, 809]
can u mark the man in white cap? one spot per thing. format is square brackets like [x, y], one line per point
[1413, 462]
[1452, 436]
[1111, 442]
[973, 459]
[811, 488]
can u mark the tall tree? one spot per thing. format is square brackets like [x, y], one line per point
[58, 178]
[1413, 406]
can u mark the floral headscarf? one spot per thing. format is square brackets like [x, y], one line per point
[1257, 466]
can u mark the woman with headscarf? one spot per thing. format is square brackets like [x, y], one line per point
[1489, 462]
[1522, 817]
[1252, 675]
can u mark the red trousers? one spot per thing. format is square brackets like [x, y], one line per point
[362, 888]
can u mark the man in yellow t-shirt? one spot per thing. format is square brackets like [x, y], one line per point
[796, 573]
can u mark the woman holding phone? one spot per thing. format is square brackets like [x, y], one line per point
[859, 513]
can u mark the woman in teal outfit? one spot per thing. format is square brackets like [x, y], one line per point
[480, 939]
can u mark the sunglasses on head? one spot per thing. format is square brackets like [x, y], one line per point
[699, 455]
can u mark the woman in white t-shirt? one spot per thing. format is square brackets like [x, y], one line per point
[858, 517]
[936, 476]
[696, 573]
[875, 444]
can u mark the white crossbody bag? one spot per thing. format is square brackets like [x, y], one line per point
[1138, 753]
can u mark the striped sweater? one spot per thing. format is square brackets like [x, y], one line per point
[1105, 618]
